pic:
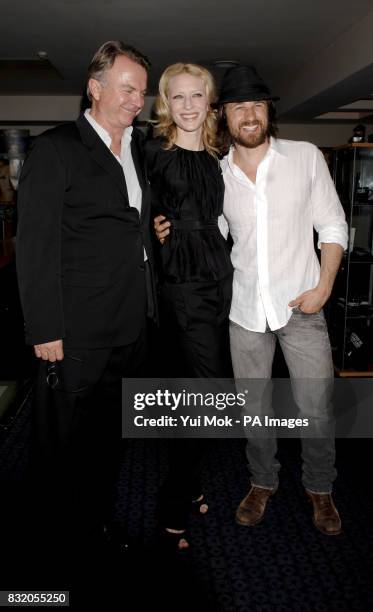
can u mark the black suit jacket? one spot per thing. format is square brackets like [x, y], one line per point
[80, 244]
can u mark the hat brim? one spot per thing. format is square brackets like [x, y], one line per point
[244, 98]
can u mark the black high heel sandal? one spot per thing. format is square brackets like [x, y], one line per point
[169, 541]
[197, 504]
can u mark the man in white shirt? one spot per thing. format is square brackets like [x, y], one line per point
[277, 193]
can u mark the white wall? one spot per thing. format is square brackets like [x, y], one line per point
[328, 135]
[66, 108]
[47, 108]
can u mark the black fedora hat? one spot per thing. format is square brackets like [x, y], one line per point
[243, 84]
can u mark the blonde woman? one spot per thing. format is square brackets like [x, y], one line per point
[195, 267]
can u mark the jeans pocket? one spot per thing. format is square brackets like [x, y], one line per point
[297, 310]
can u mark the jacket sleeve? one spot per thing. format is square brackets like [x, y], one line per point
[38, 242]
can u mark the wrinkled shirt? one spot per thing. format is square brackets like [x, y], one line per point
[271, 222]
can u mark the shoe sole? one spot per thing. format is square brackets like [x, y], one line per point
[328, 533]
[244, 524]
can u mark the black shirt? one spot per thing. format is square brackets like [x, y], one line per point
[188, 186]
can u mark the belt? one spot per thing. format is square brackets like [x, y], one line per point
[192, 224]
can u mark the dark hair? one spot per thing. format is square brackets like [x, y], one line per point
[224, 137]
[105, 57]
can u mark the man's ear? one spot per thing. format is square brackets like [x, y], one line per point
[95, 88]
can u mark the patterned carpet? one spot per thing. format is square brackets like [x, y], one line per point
[283, 564]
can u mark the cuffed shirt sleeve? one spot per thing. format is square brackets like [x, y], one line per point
[328, 215]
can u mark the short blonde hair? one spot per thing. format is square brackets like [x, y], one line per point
[164, 125]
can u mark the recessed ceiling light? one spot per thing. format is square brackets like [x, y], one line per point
[224, 63]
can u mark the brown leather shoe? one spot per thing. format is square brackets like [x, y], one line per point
[251, 510]
[325, 514]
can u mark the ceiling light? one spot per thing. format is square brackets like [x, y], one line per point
[224, 63]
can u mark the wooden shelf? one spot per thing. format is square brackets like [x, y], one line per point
[353, 373]
[355, 145]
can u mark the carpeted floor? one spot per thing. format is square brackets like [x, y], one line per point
[282, 564]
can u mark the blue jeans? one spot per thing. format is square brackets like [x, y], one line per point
[306, 348]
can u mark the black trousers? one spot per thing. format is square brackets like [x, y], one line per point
[76, 441]
[195, 328]
[194, 320]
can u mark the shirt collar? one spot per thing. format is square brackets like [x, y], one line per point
[127, 137]
[274, 145]
[229, 160]
[104, 135]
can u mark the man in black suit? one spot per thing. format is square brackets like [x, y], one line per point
[84, 268]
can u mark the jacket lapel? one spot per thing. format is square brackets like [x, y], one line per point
[101, 154]
[139, 163]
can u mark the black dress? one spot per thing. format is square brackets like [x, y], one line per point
[196, 286]
[194, 262]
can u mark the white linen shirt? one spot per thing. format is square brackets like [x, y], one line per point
[271, 223]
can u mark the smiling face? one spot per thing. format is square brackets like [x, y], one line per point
[188, 102]
[119, 97]
[248, 122]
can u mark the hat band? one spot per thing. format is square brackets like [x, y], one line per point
[249, 95]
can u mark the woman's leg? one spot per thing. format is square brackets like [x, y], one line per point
[198, 314]
[204, 336]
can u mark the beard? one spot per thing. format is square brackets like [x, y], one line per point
[248, 140]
